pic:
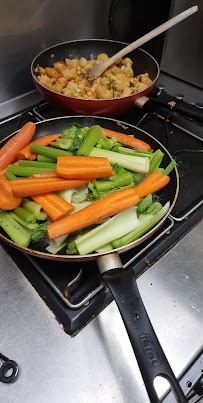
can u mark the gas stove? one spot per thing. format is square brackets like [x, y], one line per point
[73, 291]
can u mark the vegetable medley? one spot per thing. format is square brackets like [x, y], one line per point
[70, 78]
[86, 190]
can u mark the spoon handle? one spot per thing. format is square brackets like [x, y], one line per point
[150, 35]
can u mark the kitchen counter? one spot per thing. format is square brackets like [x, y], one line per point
[98, 364]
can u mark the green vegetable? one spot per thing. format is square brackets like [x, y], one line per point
[169, 168]
[155, 161]
[48, 151]
[26, 215]
[55, 249]
[26, 171]
[62, 143]
[76, 133]
[154, 208]
[40, 233]
[9, 175]
[130, 151]
[105, 248]
[146, 223]
[135, 164]
[15, 230]
[111, 229]
[38, 164]
[42, 158]
[108, 144]
[94, 134]
[23, 222]
[34, 208]
[118, 182]
[144, 204]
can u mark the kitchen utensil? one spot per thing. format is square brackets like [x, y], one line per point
[8, 366]
[122, 283]
[99, 68]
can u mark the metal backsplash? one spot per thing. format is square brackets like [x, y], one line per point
[183, 50]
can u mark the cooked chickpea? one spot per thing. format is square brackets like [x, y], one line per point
[68, 78]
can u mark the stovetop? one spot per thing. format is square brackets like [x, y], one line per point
[73, 291]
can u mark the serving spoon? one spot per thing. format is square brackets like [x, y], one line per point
[100, 67]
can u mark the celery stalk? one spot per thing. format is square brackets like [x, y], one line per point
[146, 223]
[26, 215]
[117, 182]
[9, 175]
[155, 161]
[94, 134]
[42, 158]
[135, 164]
[14, 230]
[34, 208]
[169, 168]
[48, 151]
[130, 151]
[105, 248]
[23, 222]
[26, 171]
[38, 164]
[105, 233]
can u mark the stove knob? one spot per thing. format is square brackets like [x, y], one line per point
[159, 89]
[180, 97]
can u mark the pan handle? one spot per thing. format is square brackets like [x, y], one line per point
[148, 351]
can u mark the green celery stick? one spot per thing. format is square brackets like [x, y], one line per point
[23, 222]
[169, 168]
[9, 175]
[34, 208]
[94, 134]
[42, 158]
[25, 214]
[15, 230]
[155, 161]
[48, 151]
[39, 164]
[26, 171]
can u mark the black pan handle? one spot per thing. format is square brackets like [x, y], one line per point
[148, 351]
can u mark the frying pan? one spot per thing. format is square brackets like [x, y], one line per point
[143, 62]
[122, 283]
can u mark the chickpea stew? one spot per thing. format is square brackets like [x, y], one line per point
[69, 78]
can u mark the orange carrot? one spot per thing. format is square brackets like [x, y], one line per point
[49, 174]
[53, 205]
[9, 151]
[128, 140]
[75, 167]
[153, 182]
[25, 152]
[100, 209]
[34, 186]
[7, 200]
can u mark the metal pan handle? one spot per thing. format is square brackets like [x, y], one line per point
[148, 351]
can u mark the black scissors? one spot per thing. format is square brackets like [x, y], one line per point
[8, 366]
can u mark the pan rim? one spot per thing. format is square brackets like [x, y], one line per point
[122, 249]
[94, 100]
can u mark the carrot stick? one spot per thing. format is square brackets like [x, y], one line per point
[53, 205]
[7, 200]
[128, 140]
[25, 152]
[100, 209]
[153, 182]
[49, 174]
[35, 186]
[76, 167]
[9, 151]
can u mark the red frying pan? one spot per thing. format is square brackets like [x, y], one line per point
[122, 283]
[143, 62]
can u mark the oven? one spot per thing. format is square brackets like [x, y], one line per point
[60, 323]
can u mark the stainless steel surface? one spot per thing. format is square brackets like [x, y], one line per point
[183, 55]
[98, 364]
[28, 27]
